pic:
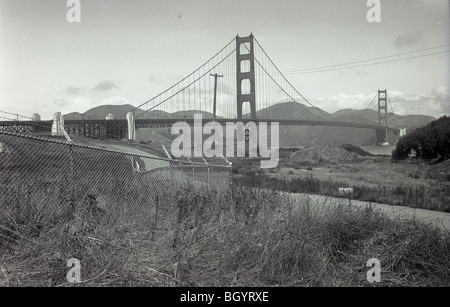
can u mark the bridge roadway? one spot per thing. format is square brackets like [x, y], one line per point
[118, 127]
[150, 123]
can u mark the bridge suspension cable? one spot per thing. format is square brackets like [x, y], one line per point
[185, 87]
[396, 124]
[7, 118]
[285, 92]
[368, 106]
[195, 92]
[15, 114]
[327, 116]
[182, 80]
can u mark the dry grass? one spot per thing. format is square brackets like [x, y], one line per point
[241, 237]
[151, 229]
[412, 183]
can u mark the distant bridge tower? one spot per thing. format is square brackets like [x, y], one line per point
[245, 74]
[382, 134]
[36, 117]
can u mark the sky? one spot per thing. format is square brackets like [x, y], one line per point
[128, 51]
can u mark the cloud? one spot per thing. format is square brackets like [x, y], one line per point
[408, 40]
[105, 86]
[226, 90]
[436, 104]
[78, 104]
[443, 97]
[154, 78]
[344, 101]
[60, 102]
[441, 92]
[415, 104]
[394, 93]
[73, 90]
[115, 100]
[82, 103]
[362, 73]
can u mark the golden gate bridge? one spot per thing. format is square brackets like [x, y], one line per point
[250, 88]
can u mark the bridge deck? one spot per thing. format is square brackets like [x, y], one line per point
[151, 123]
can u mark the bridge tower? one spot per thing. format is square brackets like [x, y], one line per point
[382, 134]
[245, 74]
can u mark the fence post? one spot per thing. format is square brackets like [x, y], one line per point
[230, 174]
[193, 172]
[58, 124]
[170, 163]
[208, 179]
[131, 126]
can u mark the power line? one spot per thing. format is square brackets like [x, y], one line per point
[370, 64]
[363, 61]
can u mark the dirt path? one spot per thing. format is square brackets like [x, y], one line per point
[438, 219]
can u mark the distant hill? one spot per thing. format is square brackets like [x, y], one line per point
[289, 135]
[190, 114]
[289, 110]
[102, 111]
[366, 115]
[394, 120]
[409, 121]
[301, 135]
[73, 116]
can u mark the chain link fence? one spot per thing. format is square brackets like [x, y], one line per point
[48, 181]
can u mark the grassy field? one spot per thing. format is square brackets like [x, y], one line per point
[242, 237]
[323, 170]
[154, 229]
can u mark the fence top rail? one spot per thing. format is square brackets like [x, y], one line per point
[66, 143]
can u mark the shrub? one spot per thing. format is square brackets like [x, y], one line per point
[429, 142]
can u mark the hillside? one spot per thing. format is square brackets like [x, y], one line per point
[190, 114]
[289, 135]
[366, 114]
[410, 121]
[289, 110]
[394, 120]
[102, 111]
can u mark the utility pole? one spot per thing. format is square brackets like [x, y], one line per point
[215, 92]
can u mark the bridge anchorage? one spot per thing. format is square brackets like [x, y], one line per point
[250, 88]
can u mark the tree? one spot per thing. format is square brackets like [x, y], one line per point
[429, 142]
